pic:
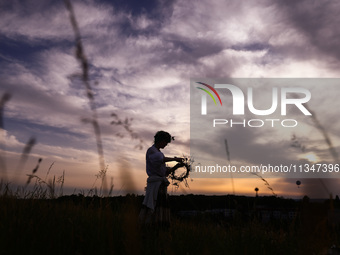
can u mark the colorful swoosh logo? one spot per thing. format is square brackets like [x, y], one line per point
[209, 93]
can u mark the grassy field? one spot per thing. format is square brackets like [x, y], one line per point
[41, 223]
[92, 225]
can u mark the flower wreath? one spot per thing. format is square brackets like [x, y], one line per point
[182, 176]
[177, 178]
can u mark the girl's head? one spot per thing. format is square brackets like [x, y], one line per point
[162, 138]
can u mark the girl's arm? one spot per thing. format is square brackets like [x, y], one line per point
[167, 159]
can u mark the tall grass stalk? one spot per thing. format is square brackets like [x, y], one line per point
[323, 131]
[266, 183]
[3, 167]
[81, 57]
[228, 157]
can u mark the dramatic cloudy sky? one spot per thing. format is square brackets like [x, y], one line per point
[142, 55]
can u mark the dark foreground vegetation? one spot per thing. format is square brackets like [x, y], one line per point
[200, 225]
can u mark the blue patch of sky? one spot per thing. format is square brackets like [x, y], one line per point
[136, 8]
[125, 95]
[251, 47]
[157, 11]
[22, 49]
[50, 135]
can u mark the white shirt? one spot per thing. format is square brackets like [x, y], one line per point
[155, 165]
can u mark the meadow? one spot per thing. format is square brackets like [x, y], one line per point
[80, 224]
[43, 221]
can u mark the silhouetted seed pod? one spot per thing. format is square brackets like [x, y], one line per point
[298, 183]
